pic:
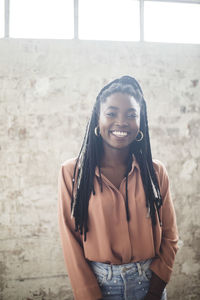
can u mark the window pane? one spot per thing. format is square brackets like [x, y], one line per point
[109, 20]
[172, 22]
[1, 18]
[42, 18]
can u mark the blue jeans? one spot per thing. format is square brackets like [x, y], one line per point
[124, 282]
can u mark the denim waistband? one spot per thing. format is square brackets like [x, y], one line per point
[104, 269]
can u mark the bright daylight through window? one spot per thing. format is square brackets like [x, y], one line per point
[42, 19]
[171, 22]
[109, 20]
[1, 18]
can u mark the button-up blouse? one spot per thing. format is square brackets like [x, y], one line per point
[111, 238]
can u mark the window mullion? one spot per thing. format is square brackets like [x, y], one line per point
[141, 20]
[76, 19]
[7, 19]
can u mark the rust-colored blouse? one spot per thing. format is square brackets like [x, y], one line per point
[111, 239]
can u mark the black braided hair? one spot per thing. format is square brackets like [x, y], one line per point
[92, 150]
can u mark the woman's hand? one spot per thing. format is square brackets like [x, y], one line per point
[156, 288]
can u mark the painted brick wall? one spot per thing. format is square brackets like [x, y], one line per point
[47, 89]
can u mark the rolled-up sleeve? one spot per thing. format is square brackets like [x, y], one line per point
[83, 281]
[167, 235]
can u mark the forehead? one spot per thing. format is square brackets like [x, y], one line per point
[120, 101]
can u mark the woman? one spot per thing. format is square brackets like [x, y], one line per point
[116, 216]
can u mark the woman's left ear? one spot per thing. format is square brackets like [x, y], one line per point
[139, 136]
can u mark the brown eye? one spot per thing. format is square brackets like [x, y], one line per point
[132, 116]
[111, 114]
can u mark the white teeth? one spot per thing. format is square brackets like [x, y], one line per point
[120, 133]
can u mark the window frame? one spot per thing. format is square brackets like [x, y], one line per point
[76, 16]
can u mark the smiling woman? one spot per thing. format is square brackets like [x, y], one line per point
[119, 120]
[116, 216]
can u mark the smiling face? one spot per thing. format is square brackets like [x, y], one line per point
[119, 120]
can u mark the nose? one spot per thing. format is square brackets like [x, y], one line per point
[121, 121]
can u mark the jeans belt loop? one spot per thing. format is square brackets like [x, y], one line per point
[139, 268]
[109, 276]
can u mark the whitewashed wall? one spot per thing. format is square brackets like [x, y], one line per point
[47, 89]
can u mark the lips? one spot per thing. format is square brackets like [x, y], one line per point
[120, 133]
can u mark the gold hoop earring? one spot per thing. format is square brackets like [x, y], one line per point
[141, 136]
[96, 131]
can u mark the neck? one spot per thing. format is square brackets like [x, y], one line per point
[112, 157]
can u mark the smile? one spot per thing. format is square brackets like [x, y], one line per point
[120, 133]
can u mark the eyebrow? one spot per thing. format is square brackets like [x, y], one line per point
[116, 108]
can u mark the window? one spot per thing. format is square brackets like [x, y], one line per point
[41, 19]
[171, 22]
[2, 21]
[109, 20]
